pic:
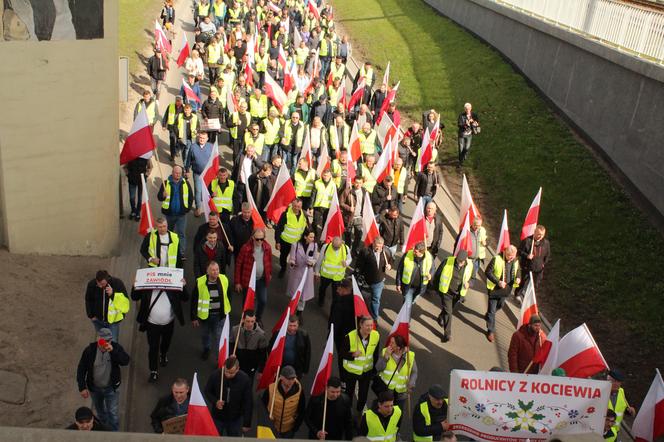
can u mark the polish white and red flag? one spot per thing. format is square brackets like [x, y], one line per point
[359, 305]
[401, 324]
[189, 92]
[281, 58]
[283, 193]
[386, 130]
[386, 75]
[306, 150]
[579, 355]
[289, 78]
[352, 172]
[292, 303]
[417, 231]
[425, 154]
[185, 51]
[212, 166]
[250, 299]
[649, 422]
[467, 204]
[255, 214]
[465, 241]
[275, 92]
[324, 160]
[504, 237]
[369, 225]
[324, 366]
[160, 39]
[208, 203]
[275, 357]
[391, 96]
[334, 224]
[530, 222]
[224, 343]
[528, 305]
[383, 166]
[313, 8]
[341, 97]
[199, 420]
[231, 101]
[357, 93]
[249, 73]
[297, 38]
[355, 146]
[140, 142]
[147, 223]
[274, 8]
[547, 355]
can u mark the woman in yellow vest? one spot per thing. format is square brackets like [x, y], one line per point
[209, 306]
[382, 421]
[359, 354]
[396, 369]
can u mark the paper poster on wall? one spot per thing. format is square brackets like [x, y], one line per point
[44, 20]
[513, 407]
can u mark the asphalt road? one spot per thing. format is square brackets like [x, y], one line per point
[469, 348]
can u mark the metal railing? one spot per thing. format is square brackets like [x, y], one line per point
[626, 27]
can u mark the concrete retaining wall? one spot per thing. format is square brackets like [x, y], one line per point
[615, 99]
[59, 144]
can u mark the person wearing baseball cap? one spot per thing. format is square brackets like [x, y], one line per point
[85, 420]
[452, 280]
[430, 415]
[285, 399]
[618, 401]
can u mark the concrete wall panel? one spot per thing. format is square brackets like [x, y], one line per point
[615, 99]
[58, 141]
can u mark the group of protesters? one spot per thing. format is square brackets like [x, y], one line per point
[240, 51]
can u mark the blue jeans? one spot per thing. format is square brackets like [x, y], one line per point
[261, 297]
[265, 155]
[495, 305]
[198, 191]
[464, 147]
[186, 147]
[410, 294]
[178, 224]
[476, 266]
[135, 198]
[105, 401]
[114, 328]
[393, 251]
[232, 428]
[427, 199]
[324, 66]
[376, 293]
[211, 327]
[289, 159]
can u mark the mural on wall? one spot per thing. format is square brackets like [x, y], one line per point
[38, 20]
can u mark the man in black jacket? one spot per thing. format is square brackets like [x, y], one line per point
[383, 196]
[502, 275]
[241, 228]
[212, 110]
[534, 257]
[427, 183]
[391, 228]
[98, 376]
[208, 250]
[297, 349]
[224, 234]
[106, 302]
[157, 67]
[85, 420]
[338, 419]
[433, 404]
[342, 314]
[233, 410]
[173, 405]
[372, 263]
[156, 316]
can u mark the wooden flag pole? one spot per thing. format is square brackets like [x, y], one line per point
[221, 386]
[539, 338]
[224, 231]
[408, 365]
[237, 337]
[324, 410]
[156, 155]
[274, 393]
[504, 265]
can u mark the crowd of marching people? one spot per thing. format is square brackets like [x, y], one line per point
[320, 157]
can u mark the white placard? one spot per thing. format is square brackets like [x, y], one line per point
[159, 278]
[512, 407]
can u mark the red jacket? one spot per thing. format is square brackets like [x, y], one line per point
[523, 346]
[245, 263]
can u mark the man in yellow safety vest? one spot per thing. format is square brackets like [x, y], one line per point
[617, 400]
[381, 422]
[106, 302]
[414, 272]
[324, 189]
[359, 353]
[430, 415]
[289, 230]
[331, 266]
[210, 305]
[503, 275]
[452, 281]
[161, 247]
[223, 194]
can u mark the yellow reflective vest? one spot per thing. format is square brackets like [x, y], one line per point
[258, 107]
[409, 265]
[369, 180]
[397, 380]
[203, 307]
[272, 128]
[619, 408]
[364, 362]
[376, 431]
[203, 9]
[172, 249]
[294, 226]
[304, 182]
[117, 307]
[324, 193]
[150, 109]
[223, 200]
[193, 127]
[424, 409]
[332, 266]
[334, 137]
[167, 191]
[368, 142]
[257, 142]
[448, 271]
[498, 268]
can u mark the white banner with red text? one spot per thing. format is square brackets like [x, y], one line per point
[513, 407]
[159, 278]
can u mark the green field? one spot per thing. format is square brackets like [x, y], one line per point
[604, 250]
[136, 16]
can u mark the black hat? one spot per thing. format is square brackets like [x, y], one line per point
[288, 372]
[437, 392]
[83, 414]
[617, 374]
[535, 319]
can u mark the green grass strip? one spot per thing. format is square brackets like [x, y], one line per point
[607, 258]
[137, 16]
